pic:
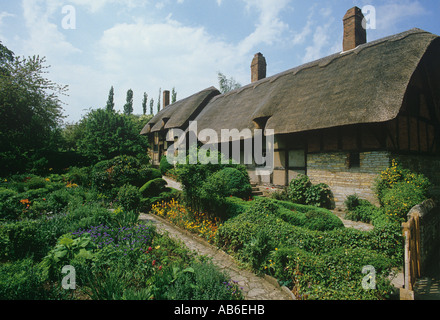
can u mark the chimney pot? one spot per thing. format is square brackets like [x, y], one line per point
[355, 33]
[258, 67]
[166, 98]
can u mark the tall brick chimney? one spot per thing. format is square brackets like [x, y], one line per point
[166, 98]
[258, 67]
[354, 32]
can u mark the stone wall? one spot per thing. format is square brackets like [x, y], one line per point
[333, 169]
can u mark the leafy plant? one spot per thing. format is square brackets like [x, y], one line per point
[129, 198]
[165, 166]
[66, 249]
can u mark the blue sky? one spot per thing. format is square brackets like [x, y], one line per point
[145, 45]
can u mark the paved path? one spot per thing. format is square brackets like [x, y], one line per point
[254, 287]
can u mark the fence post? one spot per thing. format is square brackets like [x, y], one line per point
[406, 292]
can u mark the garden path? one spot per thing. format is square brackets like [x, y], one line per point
[254, 287]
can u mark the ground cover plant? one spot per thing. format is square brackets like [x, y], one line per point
[397, 189]
[51, 222]
[315, 264]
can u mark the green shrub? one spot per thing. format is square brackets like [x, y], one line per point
[194, 176]
[21, 280]
[317, 220]
[66, 249]
[10, 206]
[255, 252]
[203, 281]
[352, 202]
[121, 170]
[80, 176]
[401, 198]
[364, 211]
[23, 239]
[129, 198]
[302, 191]
[298, 188]
[336, 275]
[164, 165]
[229, 182]
[58, 201]
[166, 196]
[153, 188]
[308, 217]
[396, 174]
[238, 231]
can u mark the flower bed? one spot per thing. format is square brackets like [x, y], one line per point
[196, 222]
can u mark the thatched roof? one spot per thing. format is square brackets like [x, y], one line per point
[363, 85]
[179, 114]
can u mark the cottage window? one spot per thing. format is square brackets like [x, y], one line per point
[354, 160]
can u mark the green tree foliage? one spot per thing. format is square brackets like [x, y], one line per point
[30, 111]
[151, 106]
[106, 135]
[173, 96]
[144, 104]
[110, 102]
[128, 107]
[158, 100]
[227, 85]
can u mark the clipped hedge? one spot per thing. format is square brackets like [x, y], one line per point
[309, 217]
[242, 229]
[316, 264]
[153, 188]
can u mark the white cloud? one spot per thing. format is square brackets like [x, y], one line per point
[45, 39]
[392, 13]
[269, 26]
[322, 35]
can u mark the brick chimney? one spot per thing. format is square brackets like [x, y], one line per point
[166, 98]
[354, 32]
[258, 67]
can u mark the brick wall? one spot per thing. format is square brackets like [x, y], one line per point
[333, 170]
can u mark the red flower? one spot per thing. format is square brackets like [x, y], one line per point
[160, 268]
[154, 262]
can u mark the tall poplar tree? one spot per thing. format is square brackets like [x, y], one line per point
[173, 96]
[110, 102]
[158, 101]
[151, 106]
[128, 107]
[144, 103]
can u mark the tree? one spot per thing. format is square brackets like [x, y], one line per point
[144, 103]
[128, 107]
[110, 102]
[173, 96]
[227, 85]
[30, 111]
[151, 107]
[106, 135]
[158, 100]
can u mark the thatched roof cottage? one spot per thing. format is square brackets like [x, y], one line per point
[340, 119]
